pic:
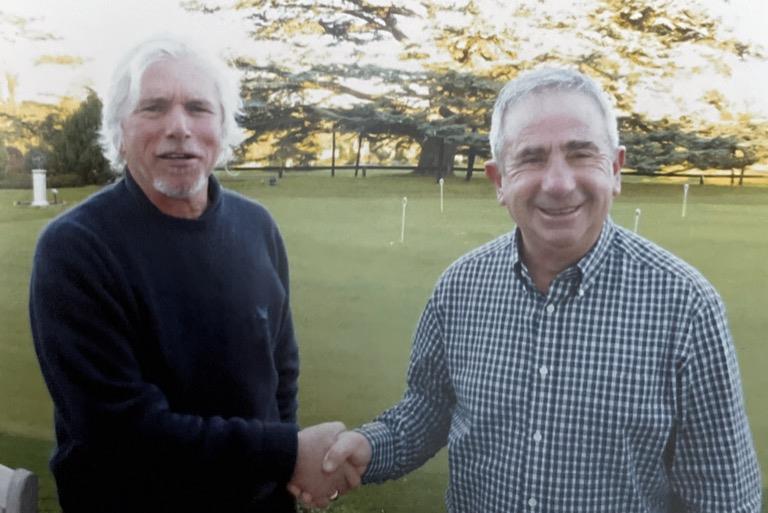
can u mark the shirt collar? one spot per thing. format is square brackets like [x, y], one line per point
[591, 263]
[583, 273]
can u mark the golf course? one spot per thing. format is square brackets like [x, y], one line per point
[363, 262]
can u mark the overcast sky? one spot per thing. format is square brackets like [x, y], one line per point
[99, 31]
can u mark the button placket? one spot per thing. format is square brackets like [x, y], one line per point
[537, 420]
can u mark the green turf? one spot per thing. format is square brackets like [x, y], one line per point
[358, 292]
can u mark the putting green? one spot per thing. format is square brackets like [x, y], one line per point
[358, 292]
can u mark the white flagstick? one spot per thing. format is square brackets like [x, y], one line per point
[685, 198]
[441, 195]
[637, 218]
[402, 225]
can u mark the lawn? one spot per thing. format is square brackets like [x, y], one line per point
[358, 292]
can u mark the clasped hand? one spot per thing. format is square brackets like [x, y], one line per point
[330, 462]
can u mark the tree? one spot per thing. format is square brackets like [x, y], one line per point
[440, 110]
[453, 57]
[3, 158]
[15, 164]
[662, 146]
[653, 145]
[75, 148]
[726, 153]
[31, 124]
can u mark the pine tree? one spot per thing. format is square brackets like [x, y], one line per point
[75, 148]
[454, 62]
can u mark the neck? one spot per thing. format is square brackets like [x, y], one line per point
[544, 264]
[185, 208]
[189, 207]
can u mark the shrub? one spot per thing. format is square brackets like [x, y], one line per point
[20, 181]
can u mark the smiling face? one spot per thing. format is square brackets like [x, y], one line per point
[172, 138]
[557, 174]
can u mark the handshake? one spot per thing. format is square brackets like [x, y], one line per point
[330, 461]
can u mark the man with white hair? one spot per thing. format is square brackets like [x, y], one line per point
[161, 319]
[570, 365]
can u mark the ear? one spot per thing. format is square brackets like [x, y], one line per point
[616, 166]
[494, 175]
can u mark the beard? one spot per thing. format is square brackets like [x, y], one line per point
[180, 190]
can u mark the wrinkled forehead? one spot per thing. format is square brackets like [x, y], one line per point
[169, 77]
[555, 118]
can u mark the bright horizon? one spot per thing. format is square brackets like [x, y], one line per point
[99, 32]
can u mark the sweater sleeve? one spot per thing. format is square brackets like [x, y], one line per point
[84, 323]
[286, 353]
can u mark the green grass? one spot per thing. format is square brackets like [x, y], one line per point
[358, 292]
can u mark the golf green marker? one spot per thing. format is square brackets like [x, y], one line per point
[442, 181]
[637, 219]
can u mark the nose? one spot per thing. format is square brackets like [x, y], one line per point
[178, 123]
[558, 179]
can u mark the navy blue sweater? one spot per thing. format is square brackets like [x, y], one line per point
[168, 349]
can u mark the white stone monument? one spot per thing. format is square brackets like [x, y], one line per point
[38, 188]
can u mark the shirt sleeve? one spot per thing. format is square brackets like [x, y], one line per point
[407, 435]
[84, 324]
[714, 466]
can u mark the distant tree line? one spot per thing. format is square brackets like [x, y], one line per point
[444, 106]
[440, 108]
[67, 147]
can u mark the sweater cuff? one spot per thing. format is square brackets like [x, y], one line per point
[281, 445]
[382, 451]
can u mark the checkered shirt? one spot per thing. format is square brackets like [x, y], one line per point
[618, 391]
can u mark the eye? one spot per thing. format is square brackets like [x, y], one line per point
[200, 108]
[533, 159]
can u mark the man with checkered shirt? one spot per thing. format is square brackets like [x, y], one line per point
[570, 365]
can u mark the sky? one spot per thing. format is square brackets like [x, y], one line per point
[99, 31]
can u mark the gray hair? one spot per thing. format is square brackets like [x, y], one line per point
[549, 79]
[124, 89]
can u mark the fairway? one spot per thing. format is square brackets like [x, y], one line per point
[357, 293]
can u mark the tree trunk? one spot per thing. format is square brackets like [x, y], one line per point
[430, 161]
[470, 164]
[471, 158]
[333, 152]
[741, 177]
[359, 147]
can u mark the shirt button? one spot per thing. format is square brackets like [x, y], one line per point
[550, 308]
[543, 370]
[537, 436]
[581, 292]
[532, 502]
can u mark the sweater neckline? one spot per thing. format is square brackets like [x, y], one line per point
[150, 209]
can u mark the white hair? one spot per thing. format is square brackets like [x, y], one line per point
[549, 79]
[125, 86]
